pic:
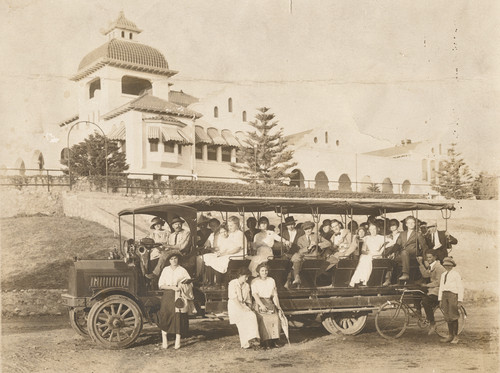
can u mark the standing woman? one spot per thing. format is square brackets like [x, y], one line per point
[240, 311]
[373, 245]
[267, 306]
[173, 315]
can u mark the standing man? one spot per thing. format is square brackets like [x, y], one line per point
[451, 296]
[433, 272]
[410, 243]
[439, 241]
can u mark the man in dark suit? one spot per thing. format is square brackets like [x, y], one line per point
[410, 243]
[292, 235]
[439, 241]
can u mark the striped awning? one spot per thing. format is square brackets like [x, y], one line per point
[230, 139]
[171, 134]
[241, 137]
[201, 136]
[117, 133]
[217, 139]
[153, 133]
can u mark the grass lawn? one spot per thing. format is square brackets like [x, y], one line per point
[37, 251]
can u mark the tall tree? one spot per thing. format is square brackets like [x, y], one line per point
[88, 157]
[266, 156]
[454, 177]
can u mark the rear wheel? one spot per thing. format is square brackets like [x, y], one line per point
[391, 320]
[442, 325]
[78, 321]
[347, 323]
[115, 322]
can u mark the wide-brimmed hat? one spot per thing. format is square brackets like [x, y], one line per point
[157, 220]
[432, 223]
[326, 222]
[177, 219]
[449, 261]
[307, 225]
[289, 220]
[173, 253]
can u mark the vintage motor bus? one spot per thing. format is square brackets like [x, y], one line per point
[109, 300]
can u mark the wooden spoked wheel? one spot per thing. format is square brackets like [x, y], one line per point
[392, 320]
[78, 321]
[115, 322]
[347, 323]
[442, 325]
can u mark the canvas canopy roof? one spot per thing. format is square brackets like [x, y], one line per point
[298, 206]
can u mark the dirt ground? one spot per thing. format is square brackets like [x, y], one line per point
[48, 344]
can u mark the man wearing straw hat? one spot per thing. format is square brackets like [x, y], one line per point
[450, 296]
[439, 241]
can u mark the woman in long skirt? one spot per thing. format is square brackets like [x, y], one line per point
[173, 315]
[239, 309]
[267, 306]
[373, 245]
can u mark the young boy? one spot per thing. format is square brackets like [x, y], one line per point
[451, 295]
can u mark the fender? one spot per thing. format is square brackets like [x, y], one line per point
[118, 291]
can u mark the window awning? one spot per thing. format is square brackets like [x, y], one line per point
[217, 139]
[201, 136]
[241, 137]
[171, 134]
[153, 133]
[117, 133]
[230, 139]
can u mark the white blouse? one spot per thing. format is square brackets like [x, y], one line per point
[263, 288]
[171, 277]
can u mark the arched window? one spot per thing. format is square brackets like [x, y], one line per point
[230, 105]
[297, 179]
[135, 86]
[20, 166]
[315, 140]
[244, 116]
[406, 187]
[94, 85]
[366, 183]
[41, 162]
[387, 186]
[123, 34]
[64, 155]
[433, 171]
[337, 142]
[216, 112]
[345, 183]
[130, 36]
[326, 137]
[425, 176]
[321, 181]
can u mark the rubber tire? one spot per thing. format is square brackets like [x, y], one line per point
[442, 326]
[79, 327]
[99, 319]
[386, 311]
[345, 323]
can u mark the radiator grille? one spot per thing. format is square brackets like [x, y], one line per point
[109, 281]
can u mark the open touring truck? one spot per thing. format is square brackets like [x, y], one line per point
[109, 300]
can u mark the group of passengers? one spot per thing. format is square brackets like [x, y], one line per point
[258, 321]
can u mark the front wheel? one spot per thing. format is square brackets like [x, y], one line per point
[347, 323]
[392, 320]
[115, 322]
[78, 320]
[442, 325]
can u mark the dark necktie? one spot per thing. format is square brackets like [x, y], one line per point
[175, 238]
[445, 277]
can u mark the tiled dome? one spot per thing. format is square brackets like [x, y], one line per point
[128, 52]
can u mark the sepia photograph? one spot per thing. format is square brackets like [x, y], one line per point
[235, 186]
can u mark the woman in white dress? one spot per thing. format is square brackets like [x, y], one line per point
[173, 314]
[240, 311]
[373, 245]
[227, 244]
[267, 306]
[263, 245]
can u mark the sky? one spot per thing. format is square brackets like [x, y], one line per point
[393, 69]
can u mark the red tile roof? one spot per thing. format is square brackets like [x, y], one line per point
[395, 150]
[181, 98]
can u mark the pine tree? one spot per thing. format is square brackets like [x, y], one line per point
[454, 177]
[88, 157]
[266, 156]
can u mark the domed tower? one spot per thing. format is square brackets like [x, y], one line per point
[119, 71]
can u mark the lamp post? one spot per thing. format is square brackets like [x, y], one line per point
[105, 150]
